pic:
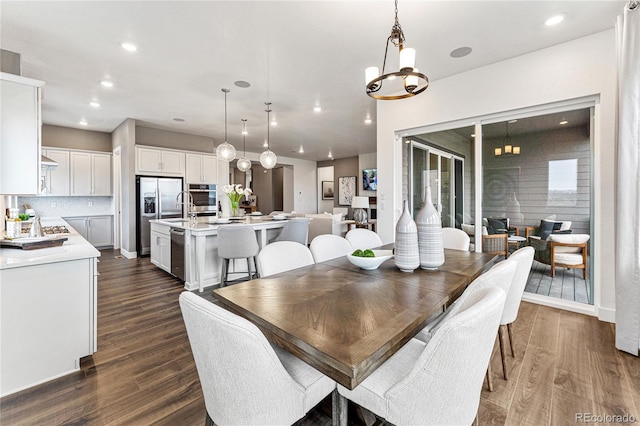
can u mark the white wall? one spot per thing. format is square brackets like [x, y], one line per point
[324, 174]
[582, 67]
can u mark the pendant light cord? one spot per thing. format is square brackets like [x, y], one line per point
[244, 136]
[268, 122]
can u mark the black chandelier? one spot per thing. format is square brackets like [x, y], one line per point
[413, 81]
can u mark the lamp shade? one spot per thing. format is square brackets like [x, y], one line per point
[360, 202]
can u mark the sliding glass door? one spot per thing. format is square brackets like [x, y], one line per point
[442, 172]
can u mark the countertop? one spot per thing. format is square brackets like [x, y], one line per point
[74, 248]
[212, 224]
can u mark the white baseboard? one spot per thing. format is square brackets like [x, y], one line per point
[128, 254]
[608, 315]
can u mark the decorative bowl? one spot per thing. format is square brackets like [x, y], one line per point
[371, 263]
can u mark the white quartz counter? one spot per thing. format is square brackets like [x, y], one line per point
[208, 225]
[74, 248]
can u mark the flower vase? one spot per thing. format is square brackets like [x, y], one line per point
[430, 244]
[407, 257]
[234, 208]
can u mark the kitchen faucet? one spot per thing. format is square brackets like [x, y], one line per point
[191, 211]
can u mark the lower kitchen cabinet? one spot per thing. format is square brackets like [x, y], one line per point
[98, 230]
[161, 246]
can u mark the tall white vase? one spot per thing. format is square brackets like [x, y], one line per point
[407, 257]
[430, 244]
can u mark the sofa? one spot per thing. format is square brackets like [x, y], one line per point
[328, 223]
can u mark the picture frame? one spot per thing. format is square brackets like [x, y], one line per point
[346, 190]
[327, 190]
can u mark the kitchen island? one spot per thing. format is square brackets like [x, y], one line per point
[202, 264]
[48, 310]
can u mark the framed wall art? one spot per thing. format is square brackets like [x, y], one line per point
[327, 190]
[346, 190]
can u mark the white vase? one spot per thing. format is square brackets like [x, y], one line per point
[407, 257]
[430, 244]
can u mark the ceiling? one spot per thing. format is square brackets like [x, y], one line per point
[296, 54]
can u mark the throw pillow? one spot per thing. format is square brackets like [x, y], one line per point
[497, 226]
[547, 227]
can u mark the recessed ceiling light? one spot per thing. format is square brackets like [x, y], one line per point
[83, 122]
[106, 83]
[301, 150]
[128, 46]
[555, 19]
[367, 120]
[265, 144]
[179, 120]
[563, 122]
[317, 109]
[243, 84]
[512, 121]
[274, 123]
[473, 135]
[460, 52]
[94, 104]
[330, 155]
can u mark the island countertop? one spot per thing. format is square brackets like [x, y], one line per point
[207, 225]
[74, 248]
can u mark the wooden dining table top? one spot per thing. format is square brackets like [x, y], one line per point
[345, 321]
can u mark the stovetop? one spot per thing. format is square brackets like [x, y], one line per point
[55, 230]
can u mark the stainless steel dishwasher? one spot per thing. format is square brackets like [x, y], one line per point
[177, 252]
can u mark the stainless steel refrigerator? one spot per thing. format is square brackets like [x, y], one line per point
[156, 200]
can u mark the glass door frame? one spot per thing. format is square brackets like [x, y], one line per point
[438, 193]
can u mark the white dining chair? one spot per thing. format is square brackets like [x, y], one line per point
[283, 256]
[329, 246]
[245, 380]
[523, 258]
[439, 382]
[455, 239]
[362, 239]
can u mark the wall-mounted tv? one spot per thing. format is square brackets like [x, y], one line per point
[369, 179]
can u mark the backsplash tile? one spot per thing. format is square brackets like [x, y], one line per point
[68, 206]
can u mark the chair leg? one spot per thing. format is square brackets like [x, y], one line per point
[503, 352]
[225, 266]
[488, 375]
[249, 267]
[513, 352]
[208, 421]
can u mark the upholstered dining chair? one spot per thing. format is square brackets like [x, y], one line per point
[437, 382]
[523, 258]
[236, 242]
[455, 239]
[329, 246]
[283, 256]
[500, 275]
[244, 379]
[296, 229]
[362, 239]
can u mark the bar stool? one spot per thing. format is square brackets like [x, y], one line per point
[236, 242]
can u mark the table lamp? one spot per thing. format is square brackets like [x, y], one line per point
[359, 204]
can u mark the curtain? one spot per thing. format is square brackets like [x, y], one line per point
[627, 243]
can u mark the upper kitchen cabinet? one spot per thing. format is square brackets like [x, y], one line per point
[90, 173]
[20, 136]
[202, 168]
[159, 162]
[55, 181]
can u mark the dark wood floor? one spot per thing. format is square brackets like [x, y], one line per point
[143, 372]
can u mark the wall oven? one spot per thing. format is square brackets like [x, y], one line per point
[205, 199]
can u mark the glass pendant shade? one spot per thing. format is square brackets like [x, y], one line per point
[244, 164]
[407, 59]
[226, 151]
[268, 159]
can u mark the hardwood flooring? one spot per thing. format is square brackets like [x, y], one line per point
[143, 372]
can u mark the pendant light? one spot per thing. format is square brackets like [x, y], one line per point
[226, 151]
[413, 81]
[268, 159]
[244, 164]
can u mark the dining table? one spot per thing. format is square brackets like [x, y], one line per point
[346, 321]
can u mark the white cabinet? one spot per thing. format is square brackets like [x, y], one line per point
[56, 181]
[90, 173]
[20, 124]
[161, 246]
[98, 230]
[159, 162]
[202, 168]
